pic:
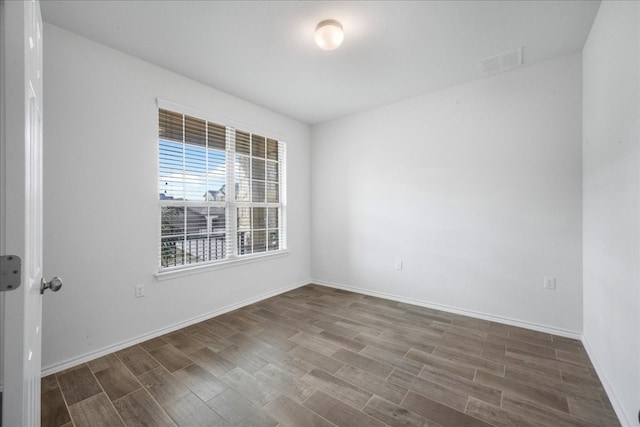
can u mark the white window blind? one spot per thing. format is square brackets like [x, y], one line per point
[221, 192]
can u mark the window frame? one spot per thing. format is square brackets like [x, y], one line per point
[232, 257]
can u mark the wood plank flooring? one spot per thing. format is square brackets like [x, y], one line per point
[317, 356]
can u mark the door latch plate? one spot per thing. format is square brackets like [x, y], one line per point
[10, 268]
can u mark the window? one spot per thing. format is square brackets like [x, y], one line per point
[221, 192]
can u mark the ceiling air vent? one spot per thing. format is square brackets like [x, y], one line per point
[501, 62]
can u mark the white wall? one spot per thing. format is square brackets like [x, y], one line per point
[101, 209]
[476, 188]
[611, 186]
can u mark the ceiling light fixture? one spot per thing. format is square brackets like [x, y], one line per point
[329, 34]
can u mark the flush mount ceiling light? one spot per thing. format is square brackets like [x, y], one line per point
[329, 34]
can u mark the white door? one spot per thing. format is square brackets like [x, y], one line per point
[22, 209]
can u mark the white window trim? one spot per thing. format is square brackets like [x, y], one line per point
[218, 265]
[233, 259]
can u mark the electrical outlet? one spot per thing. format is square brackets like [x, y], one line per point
[139, 290]
[549, 282]
[398, 264]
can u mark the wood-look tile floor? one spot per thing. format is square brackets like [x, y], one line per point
[316, 356]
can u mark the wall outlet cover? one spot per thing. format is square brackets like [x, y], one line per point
[549, 282]
[139, 291]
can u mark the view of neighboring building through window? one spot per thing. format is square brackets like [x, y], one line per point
[201, 220]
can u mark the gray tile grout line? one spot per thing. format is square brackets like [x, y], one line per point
[139, 382]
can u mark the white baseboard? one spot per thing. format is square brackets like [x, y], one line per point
[617, 406]
[479, 315]
[69, 363]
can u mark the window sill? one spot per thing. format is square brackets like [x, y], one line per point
[197, 269]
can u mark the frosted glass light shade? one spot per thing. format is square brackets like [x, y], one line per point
[329, 34]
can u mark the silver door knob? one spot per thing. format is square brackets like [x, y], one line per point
[54, 284]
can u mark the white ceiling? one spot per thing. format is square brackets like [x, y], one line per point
[263, 51]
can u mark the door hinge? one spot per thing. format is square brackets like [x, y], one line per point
[10, 268]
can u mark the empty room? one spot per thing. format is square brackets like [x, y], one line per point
[320, 213]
